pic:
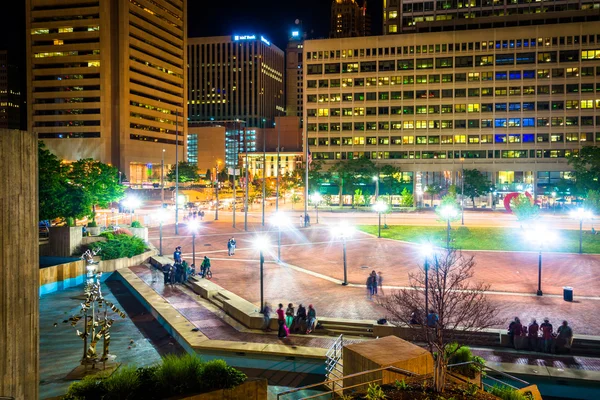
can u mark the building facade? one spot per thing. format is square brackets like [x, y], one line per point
[235, 77]
[288, 163]
[349, 19]
[294, 89]
[511, 102]
[10, 93]
[107, 80]
[401, 16]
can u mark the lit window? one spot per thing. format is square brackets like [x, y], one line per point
[393, 14]
[393, 28]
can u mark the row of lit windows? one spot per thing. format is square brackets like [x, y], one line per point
[454, 139]
[455, 108]
[67, 29]
[470, 61]
[407, 155]
[454, 47]
[540, 122]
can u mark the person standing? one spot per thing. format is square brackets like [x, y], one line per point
[564, 339]
[432, 319]
[281, 333]
[369, 289]
[373, 283]
[532, 333]
[266, 312]
[289, 315]
[546, 329]
[380, 282]
[204, 267]
[514, 329]
[233, 243]
[177, 254]
[312, 319]
[229, 246]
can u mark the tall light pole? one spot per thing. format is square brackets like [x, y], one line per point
[581, 214]
[379, 207]
[427, 251]
[376, 179]
[264, 171]
[246, 181]
[162, 180]
[462, 191]
[540, 237]
[132, 203]
[161, 215]
[237, 160]
[448, 213]
[277, 176]
[177, 172]
[261, 243]
[193, 226]
[316, 199]
[280, 219]
[120, 179]
[343, 231]
[217, 192]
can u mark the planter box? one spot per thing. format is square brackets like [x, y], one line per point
[64, 240]
[94, 231]
[252, 389]
[142, 233]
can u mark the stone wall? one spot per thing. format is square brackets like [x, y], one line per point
[19, 265]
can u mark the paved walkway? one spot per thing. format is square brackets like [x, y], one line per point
[315, 269]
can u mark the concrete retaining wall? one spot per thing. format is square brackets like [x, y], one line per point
[252, 389]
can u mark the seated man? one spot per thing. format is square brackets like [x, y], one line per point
[564, 339]
[204, 267]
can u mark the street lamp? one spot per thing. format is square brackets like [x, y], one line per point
[193, 226]
[379, 207]
[540, 236]
[316, 199]
[343, 231]
[132, 203]
[462, 191]
[376, 179]
[217, 191]
[448, 212]
[428, 252]
[261, 243]
[280, 219]
[581, 214]
[161, 215]
[553, 202]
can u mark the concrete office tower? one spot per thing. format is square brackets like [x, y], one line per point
[400, 16]
[106, 80]
[348, 19]
[293, 74]
[512, 102]
[10, 93]
[235, 77]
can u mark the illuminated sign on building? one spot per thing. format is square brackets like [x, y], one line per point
[295, 34]
[237, 38]
[262, 39]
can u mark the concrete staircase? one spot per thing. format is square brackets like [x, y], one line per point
[336, 327]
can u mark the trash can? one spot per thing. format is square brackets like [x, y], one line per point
[568, 293]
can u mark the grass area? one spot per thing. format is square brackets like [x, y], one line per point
[482, 238]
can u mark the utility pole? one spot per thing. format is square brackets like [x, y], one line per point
[177, 172]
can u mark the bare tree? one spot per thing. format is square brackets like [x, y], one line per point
[460, 305]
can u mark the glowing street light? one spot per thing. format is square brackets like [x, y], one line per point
[316, 198]
[448, 212]
[132, 203]
[376, 179]
[540, 236]
[280, 219]
[581, 214]
[193, 226]
[261, 243]
[343, 231]
[161, 215]
[380, 207]
[428, 252]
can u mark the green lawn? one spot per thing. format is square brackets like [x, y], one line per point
[479, 238]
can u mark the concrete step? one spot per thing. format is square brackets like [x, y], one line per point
[352, 329]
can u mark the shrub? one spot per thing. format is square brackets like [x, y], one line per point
[218, 375]
[507, 393]
[92, 224]
[123, 384]
[180, 374]
[462, 355]
[136, 224]
[89, 388]
[374, 392]
[120, 246]
[401, 385]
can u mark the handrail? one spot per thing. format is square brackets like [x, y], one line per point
[388, 368]
[483, 366]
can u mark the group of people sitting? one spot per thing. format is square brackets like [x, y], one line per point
[540, 337]
[290, 320]
[180, 271]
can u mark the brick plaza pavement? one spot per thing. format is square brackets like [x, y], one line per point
[317, 262]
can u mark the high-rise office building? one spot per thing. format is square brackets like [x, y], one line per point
[235, 77]
[10, 93]
[294, 88]
[511, 102]
[349, 19]
[400, 16]
[106, 80]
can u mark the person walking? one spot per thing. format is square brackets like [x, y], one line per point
[373, 283]
[312, 319]
[380, 282]
[532, 334]
[266, 312]
[289, 316]
[546, 328]
[281, 333]
[369, 289]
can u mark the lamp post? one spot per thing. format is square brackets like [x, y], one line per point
[553, 202]
[261, 243]
[379, 207]
[120, 173]
[343, 231]
[217, 192]
[427, 251]
[462, 191]
[376, 179]
[448, 212]
[581, 214]
[316, 199]
[162, 180]
[161, 215]
[280, 219]
[132, 203]
[193, 226]
[540, 236]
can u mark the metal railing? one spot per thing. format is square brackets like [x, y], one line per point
[332, 382]
[485, 369]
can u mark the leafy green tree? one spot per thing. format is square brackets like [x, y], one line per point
[476, 184]
[586, 168]
[208, 175]
[433, 190]
[76, 203]
[592, 201]
[524, 208]
[52, 181]
[390, 180]
[316, 176]
[355, 172]
[188, 172]
[407, 200]
[99, 180]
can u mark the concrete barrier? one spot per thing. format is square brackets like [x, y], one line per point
[252, 389]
